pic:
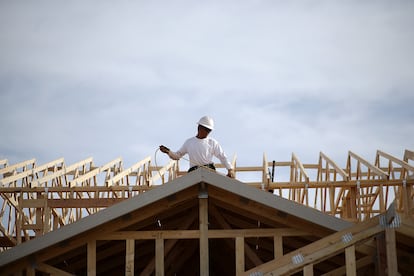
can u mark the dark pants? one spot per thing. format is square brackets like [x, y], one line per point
[210, 166]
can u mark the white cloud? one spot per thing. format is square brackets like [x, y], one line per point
[279, 77]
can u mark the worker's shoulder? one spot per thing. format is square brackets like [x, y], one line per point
[212, 140]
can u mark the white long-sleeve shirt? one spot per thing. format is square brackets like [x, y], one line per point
[201, 152]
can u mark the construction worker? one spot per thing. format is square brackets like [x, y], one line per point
[201, 149]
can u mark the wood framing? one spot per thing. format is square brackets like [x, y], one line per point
[104, 220]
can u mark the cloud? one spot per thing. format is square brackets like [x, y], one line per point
[109, 80]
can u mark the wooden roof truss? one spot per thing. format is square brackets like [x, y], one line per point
[36, 199]
[208, 224]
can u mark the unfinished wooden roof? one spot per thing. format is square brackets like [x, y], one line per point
[159, 222]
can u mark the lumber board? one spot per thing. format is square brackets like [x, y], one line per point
[370, 166]
[299, 164]
[129, 171]
[364, 261]
[51, 270]
[240, 266]
[94, 172]
[70, 202]
[161, 172]
[31, 172]
[64, 171]
[23, 165]
[337, 169]
[308, 270]
[159, 257]
[225, 193]
[212, 234]
[204, 250]
[129, 258]
[402, 163]
[320, 249]
[350, 261]
[91, 257]
[391, 249]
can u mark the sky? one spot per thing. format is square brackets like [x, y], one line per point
[108, 79]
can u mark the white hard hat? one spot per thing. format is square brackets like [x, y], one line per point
[207, 122]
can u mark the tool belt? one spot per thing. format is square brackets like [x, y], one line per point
[210, 166]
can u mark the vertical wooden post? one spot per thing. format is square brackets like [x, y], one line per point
[91, 262]
[380, 265]
[19, 220]
[381, 199]
[332, 200]
[350, 261]
[353, 203]
[129, 257]
[390, 245]
[240, 266]
[39, 217]
[159, 257]
[47, 212]
[408, 204]
[30, 271]
[204, 259]
[278, 246]
[308, 270]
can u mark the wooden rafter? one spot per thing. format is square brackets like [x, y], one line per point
[173, 225]
[372, 169]
[55, 194]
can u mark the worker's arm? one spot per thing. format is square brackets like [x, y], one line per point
[171, 154]
[221, 155]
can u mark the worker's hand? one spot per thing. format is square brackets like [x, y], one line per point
[164, 149]
[230, 173]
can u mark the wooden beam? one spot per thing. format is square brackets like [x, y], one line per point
[350, 261]
[364, 183]
[402, 163]
[83, 202]
[30, 271]
[391, 248]
[71, 202]
[203, 217]
[31, 172]
[169, 245]
[129, 171]
[94, 172]
[251, 254]
[375, 169]
[195, 234]
[321, 249]
[24, 164]
[278, 246]
[240, 266]
[308, 270]
[65, 171]
[362, 262]
[129, 257]
[161, 172]
[299, 165]
[159, 257]
[51, 270]
[91, 258]
[337, 169]
[80, 189]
